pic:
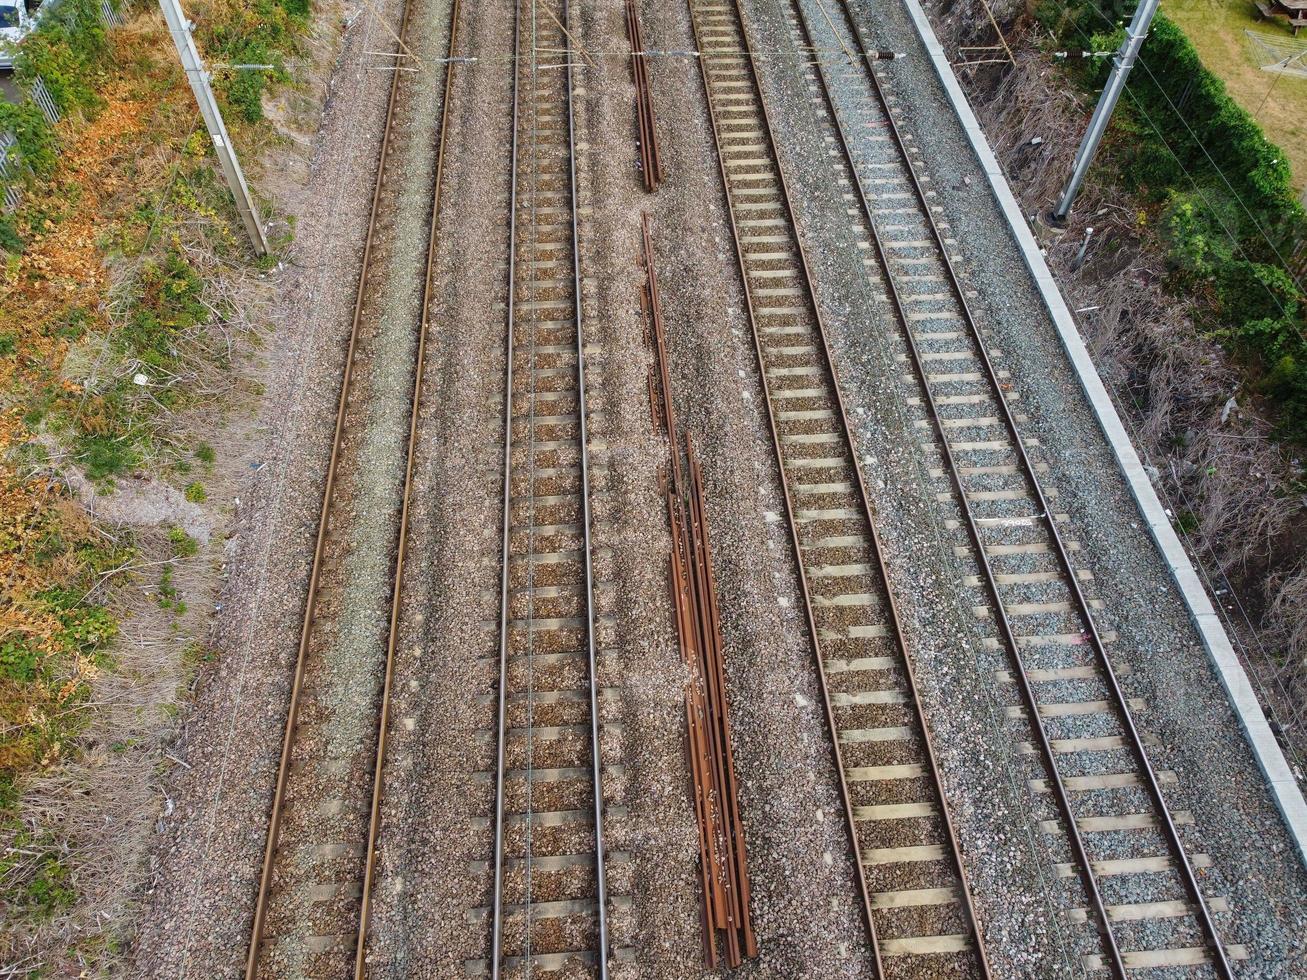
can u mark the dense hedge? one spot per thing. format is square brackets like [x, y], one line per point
[1220, 194]
[68, 51]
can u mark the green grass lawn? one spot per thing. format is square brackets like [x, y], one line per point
[1216, 28]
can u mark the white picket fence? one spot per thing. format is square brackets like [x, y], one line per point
[7, 166]
[42, 97]
[10, 177]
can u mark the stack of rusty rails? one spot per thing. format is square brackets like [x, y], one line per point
[723, 861]
[651, 161]
[723, 865]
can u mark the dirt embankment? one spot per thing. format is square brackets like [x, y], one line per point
[1236, 494]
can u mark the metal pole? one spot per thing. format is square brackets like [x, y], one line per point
[1121, 65]
[180, 29]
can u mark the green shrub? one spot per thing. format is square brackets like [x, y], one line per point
[1196, 234]
[1285, 386]
[1254, 292]
[183, 545]
[37, 145]
[105, 456]
[19, 660]
[41, 887]
[245, 94]
[84, 628]
[10, 240]
[50, 889]
[196, 493]
[167, 303]
[261, 35]
[68, 52]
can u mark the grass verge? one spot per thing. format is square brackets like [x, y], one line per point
[115, 322]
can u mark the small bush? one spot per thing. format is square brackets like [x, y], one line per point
[1253, 292]
[245, 94]
[37, 145]
[105, 456]
[10, 240]
[168, 303]
[19, 660]
[1196, 232]
[260, 34]
[196, 493]
[72, 325]
[43, 887]
[183, 545]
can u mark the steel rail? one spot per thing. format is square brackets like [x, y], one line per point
[592, 657]
[1203, 914]
[809, 616]
[601, 884]
[877, 548]
[496, 940]
[310, 607]
[392, 636]
[1060, 793]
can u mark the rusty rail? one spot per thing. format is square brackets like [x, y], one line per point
[392, 635]
[723, 863]
[651, 160]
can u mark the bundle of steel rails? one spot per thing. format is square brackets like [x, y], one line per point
[651, 161]
[723, 869]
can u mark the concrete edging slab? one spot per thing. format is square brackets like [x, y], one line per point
[1284, 788]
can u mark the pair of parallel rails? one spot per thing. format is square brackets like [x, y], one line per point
[1122, 835]
[547, 902]
[906, 854]
[315, 889]
[550, 905]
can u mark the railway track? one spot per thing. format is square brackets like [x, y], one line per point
[549, 908]
[1142, 890]
[916, 901]
[313, 903]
